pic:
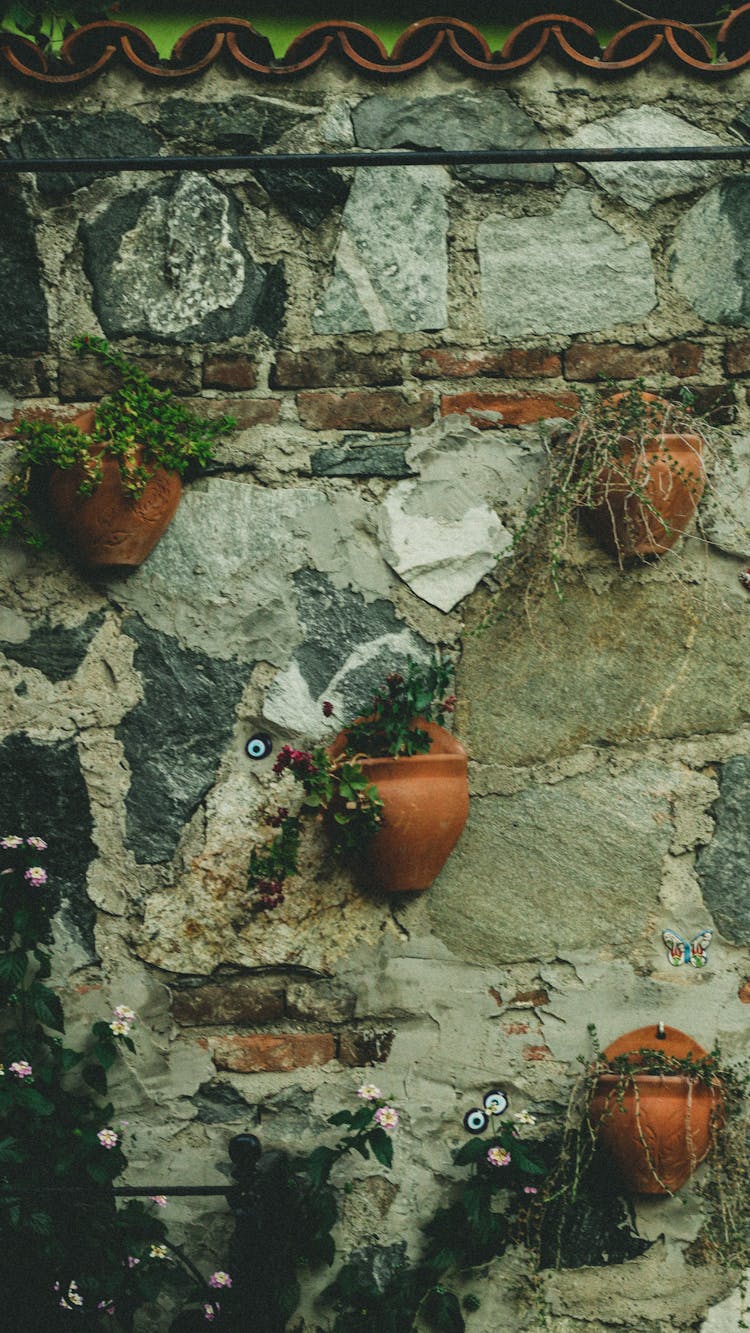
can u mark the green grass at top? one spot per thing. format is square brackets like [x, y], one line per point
[164, 29]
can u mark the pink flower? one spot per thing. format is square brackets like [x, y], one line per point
[159, 1199]
[38, 844]
[10, 842]
[368, 1092]
[530, 1189]
[108, 1138]
[132, 1261]
[327, 708]
[498, 1156]
[36, 875]
[387, 1117]
[210, 1311]
[220, 1279]
[21, 1069]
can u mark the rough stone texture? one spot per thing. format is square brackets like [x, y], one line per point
[580, 687]
[591, 361]
[643, 184]
[441, 533]
[730, 1314]
[227, 372]
[156, 275]
[321, 366]
[725, 513]
[306, 194]
[233, 124]
[391, 269]
[561, 272]
[55, 650]
[245, 1002]
[457, 363]
[221, 564]
[43, 794]
[174, 738]
[327, 1001]
[106, 134]
[24, 326]
[453, 121]
[361, 460]
[347, 649]
[723, 865]
[548, 882]
[708, 263]
[373, 409]
[365, 1047]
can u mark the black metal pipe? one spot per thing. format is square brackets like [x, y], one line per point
[121, 1191]
[387, 158]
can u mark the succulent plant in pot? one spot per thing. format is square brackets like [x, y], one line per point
[391, 790]
[107, 484]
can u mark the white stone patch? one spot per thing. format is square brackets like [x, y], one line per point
[290, 705]
[562, 272]
[643, 184]
[391, 268]
[179, 260]
[733, 1314]
[725, 510]
[441, 533]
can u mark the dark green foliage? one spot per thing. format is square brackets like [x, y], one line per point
[142, 428]
[48, 23]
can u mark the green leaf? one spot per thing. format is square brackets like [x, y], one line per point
[96, 1078]
[13, 968]
[47, 1007]
[382, 1146]
[9, 1151]
[341, 1118]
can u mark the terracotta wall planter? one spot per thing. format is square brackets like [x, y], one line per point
[660, 1129]
[672, 478]
[425, 807]
[108, 527]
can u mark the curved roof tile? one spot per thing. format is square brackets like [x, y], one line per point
[90, 50]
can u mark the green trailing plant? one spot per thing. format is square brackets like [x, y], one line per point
[334, 786]
[139, 426]
[612, 432]
[49, 24]
[69, 1248]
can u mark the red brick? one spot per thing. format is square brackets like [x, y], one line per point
[593, 361]
[737, 357]
[515, 1029]
[230, 372]
[322, 366]
[245, 1002]
[246, 411]
[530, 999]
[373, 409]
[365, 1048]
[88, 377]
[273, 1052]
[516, 409]
[536, 1053]
[458, 363]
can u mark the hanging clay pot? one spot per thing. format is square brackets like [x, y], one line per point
[670, 474]
[658, 1127]
[107, 527]
[425, 807]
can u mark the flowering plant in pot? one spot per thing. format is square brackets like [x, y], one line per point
[633, 464]
[69, 1253]
[108, 483]
[391, 790]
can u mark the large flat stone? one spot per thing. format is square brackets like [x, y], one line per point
[710, 259]
[552, 868]
[724, 865]
[454, 121]
[24, 326]
[158, 274]
[174, 738]
[643, 184]
[637, 660]
[105, 134]
[55, 650]
[233, 124]
[562, 272]
[391, 267]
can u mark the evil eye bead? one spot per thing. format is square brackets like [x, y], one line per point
[495, 1101]
[259, 746]
[475, 1121]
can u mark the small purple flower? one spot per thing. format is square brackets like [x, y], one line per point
[530, 1189]
[108, 1138]
[38, 844]
[327, 708]
[10, 842]
[220, 1279]
[36, 875]
[387, 1117]
[498, 1157]
[21, 1069]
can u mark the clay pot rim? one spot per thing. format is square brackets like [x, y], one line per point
[451, 750]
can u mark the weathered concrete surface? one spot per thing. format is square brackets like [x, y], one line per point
[391, 269]
[441, 533]
[724, 865]
[708, 263]
[635, 658]
[455, 121]
[643, 184]
[561, 272]
[556, 867]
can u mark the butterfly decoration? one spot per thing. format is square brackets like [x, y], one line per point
[477, 1119]
[693, 951]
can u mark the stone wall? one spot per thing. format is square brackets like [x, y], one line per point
[392, 342]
